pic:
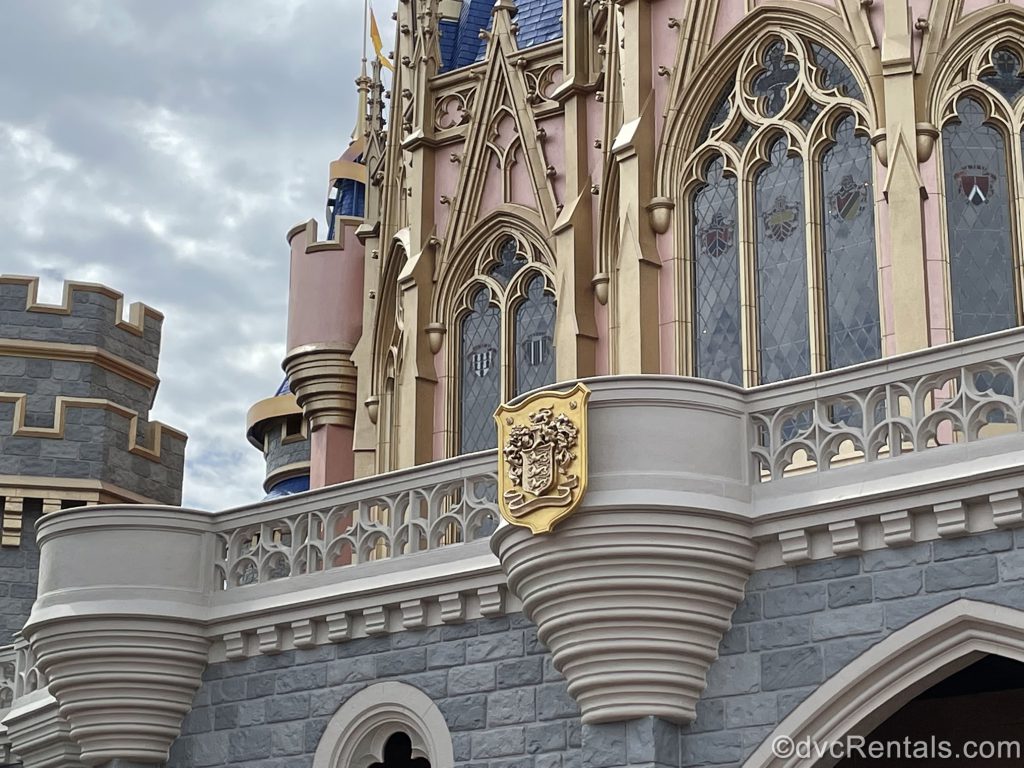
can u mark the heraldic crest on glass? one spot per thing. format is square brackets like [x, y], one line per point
[543, 462]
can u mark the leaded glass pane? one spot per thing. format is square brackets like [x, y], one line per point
[510, 261]
[534, 338]
[781, 268]
[1006, 78]
[717, 346]
[779, 73]
[480, 376]
[809, 114]
[854, 332]
[719, 115]
[834, 73]
[978, 218]
[743, 135]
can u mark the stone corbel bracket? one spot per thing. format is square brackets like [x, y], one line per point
[123, 659]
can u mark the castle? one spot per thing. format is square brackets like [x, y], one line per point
[742, 280]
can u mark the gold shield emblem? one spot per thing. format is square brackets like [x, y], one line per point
[542, 471]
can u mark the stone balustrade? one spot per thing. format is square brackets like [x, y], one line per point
[692, 485]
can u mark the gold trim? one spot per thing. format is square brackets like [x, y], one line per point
[80, 353]
[69, 489]
[346, 169]
[285, 472]
[13, 508]
[542, 462]
[137, 311]
[149, 450]
[277, 407]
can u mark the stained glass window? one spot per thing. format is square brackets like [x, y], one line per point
[510, 261]
[781, 267]
[1007, 77]
[534, 338]
[799, 291]
[834, 73]
[717, 346]
[480, 374]
[398, 754]
[719, 114]
[978, 206]
[848, 232]
[779, 73]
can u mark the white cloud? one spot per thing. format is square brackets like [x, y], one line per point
[164, 149]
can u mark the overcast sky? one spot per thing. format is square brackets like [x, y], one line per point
[164, 148]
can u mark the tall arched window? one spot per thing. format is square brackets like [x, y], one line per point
[783, 274]
[981, 122]
[506, 337]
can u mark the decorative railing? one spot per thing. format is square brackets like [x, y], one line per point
[405, 512]
[8, 677]
[881, 410]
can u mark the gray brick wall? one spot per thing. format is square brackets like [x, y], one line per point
[19, 575]
[279, 455]
[95, 442]
[796, 627]
[92, 321]
[508, 708]
[505, 704]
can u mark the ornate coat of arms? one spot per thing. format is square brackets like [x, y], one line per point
[977, 183]
[848, 200]
[716, 238]
[781, 220]
[542, 470]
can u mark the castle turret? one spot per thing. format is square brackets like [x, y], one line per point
[276, 426]
[77, 382]
[325, 312]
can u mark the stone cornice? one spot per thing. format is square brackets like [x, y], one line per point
[80, 353]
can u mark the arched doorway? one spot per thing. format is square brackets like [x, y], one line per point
[926, 665]
[975, 715]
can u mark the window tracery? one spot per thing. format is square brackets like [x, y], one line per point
[782, 275]
[982, 138]
[506, 336]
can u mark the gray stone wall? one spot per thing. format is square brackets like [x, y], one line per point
[281, 455]
[505, 704]
[508, 708]
[92, 321]
[94, 446]
[19, 574]
[95, 442]
[797, 627]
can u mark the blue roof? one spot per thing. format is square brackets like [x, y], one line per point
[539, 21]
[284, 389]
[349, 201]
[288, 487]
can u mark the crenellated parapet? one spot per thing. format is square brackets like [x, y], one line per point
[88, 314]
[77, 381]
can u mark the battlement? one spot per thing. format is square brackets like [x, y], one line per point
[77, 381]
[89, 314]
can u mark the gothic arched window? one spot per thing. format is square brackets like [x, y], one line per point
[981, 123]
[506, 337]
[782, 278]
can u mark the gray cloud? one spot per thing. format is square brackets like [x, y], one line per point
[165, 149]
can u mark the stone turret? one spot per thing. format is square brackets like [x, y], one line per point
[77, 382]
[277, 427]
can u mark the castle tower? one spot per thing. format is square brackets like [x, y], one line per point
[325, 312]
[77, 382]
[276, 426]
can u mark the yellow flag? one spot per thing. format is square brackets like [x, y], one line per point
[378, 44]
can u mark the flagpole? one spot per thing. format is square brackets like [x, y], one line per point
[366, 29]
